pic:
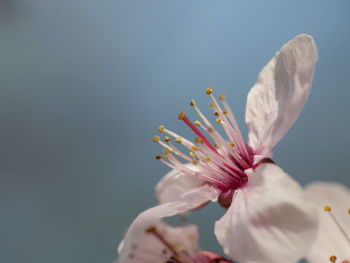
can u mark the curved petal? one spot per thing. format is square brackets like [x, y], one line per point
[269, 220]
[186, 202]
[330, 240]
[148, 248]
[175, 183]
[280, 92]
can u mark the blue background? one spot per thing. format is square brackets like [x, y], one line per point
[84, 85]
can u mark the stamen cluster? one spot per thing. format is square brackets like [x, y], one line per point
[220, 162]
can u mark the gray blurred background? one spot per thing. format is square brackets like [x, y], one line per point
[84, 84]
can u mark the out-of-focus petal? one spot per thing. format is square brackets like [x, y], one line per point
[175, 183]
[330, 241]
[147, 248]
[186, 202]
[269, 220]
[282, 87]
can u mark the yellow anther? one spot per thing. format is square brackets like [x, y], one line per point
[193, 148]
[198, 123]
[212, 105]
[178, 140]
[158, 157]
[161, 128]
[216, 113]
[198, 140]
[332, 258]
[349, 211]
[209, 91]
[224, 112]
[166, 153]
[207, 159]
[232, 144]
[222, 96]
[216, 145]
[219, 120]
[181, 115]
[195, 162]
[167, 138]
[156, 138]
[192, 154]
[193, 103]
[327, 208]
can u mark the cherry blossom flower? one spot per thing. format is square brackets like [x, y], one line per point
[160, 243]
[267, 217]
[333, 205]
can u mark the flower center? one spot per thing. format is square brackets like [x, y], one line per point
[346, 235]
[219, 160]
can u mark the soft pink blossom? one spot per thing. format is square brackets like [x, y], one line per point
[267, 218]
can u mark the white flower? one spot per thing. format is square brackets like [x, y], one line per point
[268, 219]
[160, 243]
[333, 240]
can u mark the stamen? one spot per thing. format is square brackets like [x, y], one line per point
[182, 116]
[209, 91]
[333, 259]
[341, 229]
[156, 138]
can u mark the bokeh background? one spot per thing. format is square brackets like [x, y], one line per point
[84, 85]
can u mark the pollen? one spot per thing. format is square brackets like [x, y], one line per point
[198, 140]
[327, 208]
[167, 138]
[225, 112]
[232, 144]
[193, 148]
[181, 115]
[212, 105]
[178, 140]
[222, 96]
[192, 154]
[156, 138]
[216, 114]
[166, 153]
[197, 123]
[349, 211]
[209, 91]
[193, 103]
[217, 146]
[332, 258]
[158, 157]
[161, 128]
[219, 120]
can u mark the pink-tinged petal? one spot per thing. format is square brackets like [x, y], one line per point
[187, 201]
[175, 183]
[330, 240]
[269, 220]
[280, 92]
[148, 248]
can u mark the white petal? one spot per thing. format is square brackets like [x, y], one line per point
[147, 248]
[282, 87]
[268, 220]
[186, 202]
[330, 240]
[175, 183]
